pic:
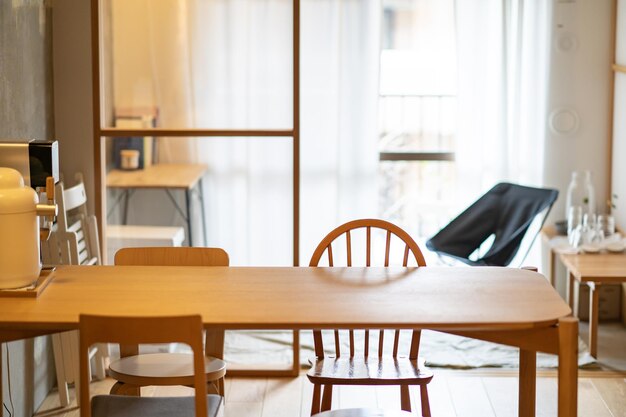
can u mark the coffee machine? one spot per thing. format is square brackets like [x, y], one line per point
[28, 171]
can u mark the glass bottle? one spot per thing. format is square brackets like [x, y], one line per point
[580, 193]
[589, 194]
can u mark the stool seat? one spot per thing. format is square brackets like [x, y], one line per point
[364, 412]
[163, 369]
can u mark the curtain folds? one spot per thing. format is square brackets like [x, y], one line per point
[503, 57]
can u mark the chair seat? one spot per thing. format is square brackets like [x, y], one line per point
[364, 412]
[163, 369]
[128, 406]
[368, 371]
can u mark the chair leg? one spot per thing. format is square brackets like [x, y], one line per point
[315, 404]
[425, 401]
[405, 398]
[59, 364]
[327, 398]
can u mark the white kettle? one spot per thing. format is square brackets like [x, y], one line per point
[19, 231]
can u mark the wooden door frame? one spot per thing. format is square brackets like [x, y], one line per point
[100, 133]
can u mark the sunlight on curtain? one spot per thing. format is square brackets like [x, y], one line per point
[503, 50]
[503, 67]
[227, 64]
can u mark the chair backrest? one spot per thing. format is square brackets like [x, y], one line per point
[368, 224]
[74, 240]
[177, 256]
[135, 330]
[172, 256]
[410, 247]
[506, 211]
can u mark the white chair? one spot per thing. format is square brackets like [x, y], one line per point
[73, 241]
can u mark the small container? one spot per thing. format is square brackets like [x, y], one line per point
[19, 232]
[129, 159]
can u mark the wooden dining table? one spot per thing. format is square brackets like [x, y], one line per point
[510, 306]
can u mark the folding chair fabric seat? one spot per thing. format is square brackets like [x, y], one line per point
[506, 211]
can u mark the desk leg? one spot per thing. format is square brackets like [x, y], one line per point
[552, 268]
[527, 383]
[568, 367]
[126, 198]
[570, 291]
[202, 210]
[188, 203]
[594, 301]
[1, 374]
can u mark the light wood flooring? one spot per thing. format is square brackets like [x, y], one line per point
[452, 393]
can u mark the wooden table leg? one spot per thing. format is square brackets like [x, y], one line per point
[568, 367]
[552, 256]
[527, 383]
[570, 291]
[594, 301]
[1, 396]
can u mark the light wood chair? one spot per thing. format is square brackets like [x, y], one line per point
[136, 370]
[364, 412]
[73, 241]
[361, 368]
[135, 330]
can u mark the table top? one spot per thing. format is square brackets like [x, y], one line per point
[178, 176]
[607, 267]
[477, 298]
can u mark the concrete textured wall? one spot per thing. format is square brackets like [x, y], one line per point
[26, 113]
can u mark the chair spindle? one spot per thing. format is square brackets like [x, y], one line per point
[387, 245]
[369, 246]
[337, 344]
[330, 255]
[349, 248]
[396, 343]
[381, 342]
[405, 262]
[351, 343]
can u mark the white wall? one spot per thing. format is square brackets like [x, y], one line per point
[72, 91]
[579, 98]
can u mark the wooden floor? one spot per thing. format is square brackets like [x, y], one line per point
[452, 393]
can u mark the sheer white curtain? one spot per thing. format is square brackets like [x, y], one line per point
[503, 50]
[228, 64]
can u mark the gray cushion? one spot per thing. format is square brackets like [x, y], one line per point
[128, 406]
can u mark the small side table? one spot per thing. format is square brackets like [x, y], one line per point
[169, 177]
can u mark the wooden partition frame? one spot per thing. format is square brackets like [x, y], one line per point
[100, 132]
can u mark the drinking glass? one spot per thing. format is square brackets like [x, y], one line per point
[589, 228]
[606, 225]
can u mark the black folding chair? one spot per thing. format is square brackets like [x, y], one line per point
[506, 211]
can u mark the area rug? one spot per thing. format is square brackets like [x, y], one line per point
[440, 350]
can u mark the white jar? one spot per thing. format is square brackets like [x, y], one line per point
[19, 231]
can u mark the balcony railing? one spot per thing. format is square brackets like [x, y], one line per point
[417, 154]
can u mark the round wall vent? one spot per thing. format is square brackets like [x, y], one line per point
[564, 121]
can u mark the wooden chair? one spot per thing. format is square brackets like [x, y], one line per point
[136, 370]
[352, 368]
[73, 241]
[135, 330]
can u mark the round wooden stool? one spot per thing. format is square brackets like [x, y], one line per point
[364, 412]
[161, 369]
